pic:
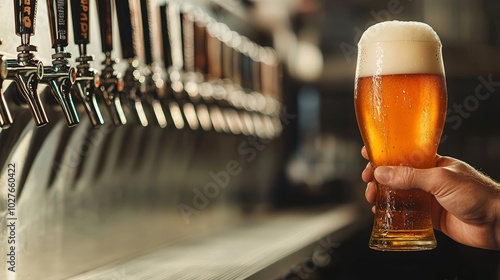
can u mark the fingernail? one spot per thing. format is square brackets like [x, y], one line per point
[383, 174]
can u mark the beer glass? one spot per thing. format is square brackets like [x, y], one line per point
[400, 102]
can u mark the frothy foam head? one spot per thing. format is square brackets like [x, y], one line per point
[399, 47]
[399, 31]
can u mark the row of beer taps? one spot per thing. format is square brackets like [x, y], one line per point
[184, 69]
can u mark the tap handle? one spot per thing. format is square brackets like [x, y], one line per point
[57, 11]
[24, 13]
[236, 59]
[246, 70]
[247, 48]
[165, 40]
[200, 46]
[227, 60]
[81, 21]
[104, 9]
[125, 28]
[146, 30]
[187, 31]
[255, 68]
[265, 72]
[174, 35]
[214, 53]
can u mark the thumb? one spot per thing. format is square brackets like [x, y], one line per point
[402, 177]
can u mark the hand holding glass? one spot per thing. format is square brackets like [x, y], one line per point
[400, 102]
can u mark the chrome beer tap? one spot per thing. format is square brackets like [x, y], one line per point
[87, 80]
[192, 77]
[154, 88]
[182, 78]
[61, 76]
[111, 85]
[172, 46]
[26, 71]
[171, 63]
[133, 80]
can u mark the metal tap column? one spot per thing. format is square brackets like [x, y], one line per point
[61, 76]
[111, 85]
[87, 80]
[26, 71]
[133, 80]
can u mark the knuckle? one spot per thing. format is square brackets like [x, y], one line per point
[445, 173]
[407, 176]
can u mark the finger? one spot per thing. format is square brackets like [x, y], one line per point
[429, 180]
[367, 174]
[371, 192]
[364, 153]
[373, 209]
[432, 180]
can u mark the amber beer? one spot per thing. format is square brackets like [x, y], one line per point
[400, 102]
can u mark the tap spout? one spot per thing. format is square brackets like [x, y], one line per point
[85, 89]
[26, 75]
[110, 90]
[61, 83]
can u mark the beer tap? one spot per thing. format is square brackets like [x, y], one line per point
[219, 71]
[61, 76]
[255, 73]
[154, 82]
[5, 115]
[165, 50]
[190, 80]
[110, 82]
[207, 57]
[26, 71]
[171, 63]
[133, 80]
[87, 80]
[200, 22]
[236, 96]
[191, 75]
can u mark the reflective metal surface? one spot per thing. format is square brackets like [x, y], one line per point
[112, 192]
[159, 149]
[261, 250]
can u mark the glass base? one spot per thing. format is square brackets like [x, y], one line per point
[403, 241]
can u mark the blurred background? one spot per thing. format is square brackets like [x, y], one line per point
[326, 137]
[130, 206]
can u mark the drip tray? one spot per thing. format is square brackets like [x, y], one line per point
[262, 249]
